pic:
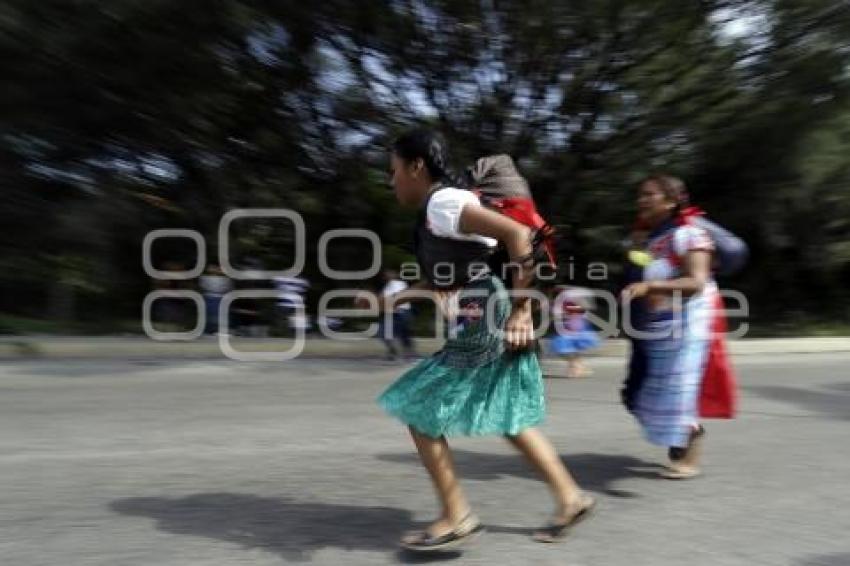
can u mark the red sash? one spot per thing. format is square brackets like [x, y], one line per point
[718, 393]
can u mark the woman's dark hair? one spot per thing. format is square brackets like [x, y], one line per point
[673, 188]
[429, 146]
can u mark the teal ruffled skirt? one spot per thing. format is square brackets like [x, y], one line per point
[473, 386]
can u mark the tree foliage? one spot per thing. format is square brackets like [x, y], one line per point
[127, 116]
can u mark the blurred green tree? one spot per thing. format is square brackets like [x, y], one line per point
[123, 117]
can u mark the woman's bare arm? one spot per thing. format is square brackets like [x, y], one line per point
[697, 271]
[476, 219]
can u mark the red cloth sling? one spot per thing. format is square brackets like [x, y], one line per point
[718, 392]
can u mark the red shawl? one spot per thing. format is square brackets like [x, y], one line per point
[718, 394]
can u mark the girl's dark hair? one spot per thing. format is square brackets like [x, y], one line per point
[673, 188]
[431, 147]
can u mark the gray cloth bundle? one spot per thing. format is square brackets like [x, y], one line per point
[496, 176]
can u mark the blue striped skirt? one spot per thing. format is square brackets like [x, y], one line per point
[666, 406]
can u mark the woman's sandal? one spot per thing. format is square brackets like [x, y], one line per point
[677, 470]
[422, 541]
[557, 531]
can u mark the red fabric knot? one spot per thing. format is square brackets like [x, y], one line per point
[687, 214]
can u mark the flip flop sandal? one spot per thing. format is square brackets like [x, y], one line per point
[679, 473]
[469, 528]
[677, 452]
[556, 532]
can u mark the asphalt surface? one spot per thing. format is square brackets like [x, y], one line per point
[222, 463]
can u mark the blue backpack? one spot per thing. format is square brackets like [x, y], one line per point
[731, 251]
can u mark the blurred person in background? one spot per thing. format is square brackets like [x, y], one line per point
[292, 301]
[250, 315]
[574, 332]
[399, 327]
[678, 294]
[486, 380]
[171, 312]
[214, 284]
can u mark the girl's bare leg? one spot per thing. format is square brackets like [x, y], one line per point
[581, 367]
[573, 505]
[539, 451]
[437, 459]
[572, 366]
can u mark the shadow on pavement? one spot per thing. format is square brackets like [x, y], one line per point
[594, 472]
[827, 560]
[407, 557]
[829, 404]
[290, 529]
[843, 386]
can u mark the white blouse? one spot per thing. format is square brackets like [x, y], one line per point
[444, 211]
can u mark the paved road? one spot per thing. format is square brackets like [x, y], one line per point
[219, 463]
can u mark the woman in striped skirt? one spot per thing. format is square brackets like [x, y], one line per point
[678, 294]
